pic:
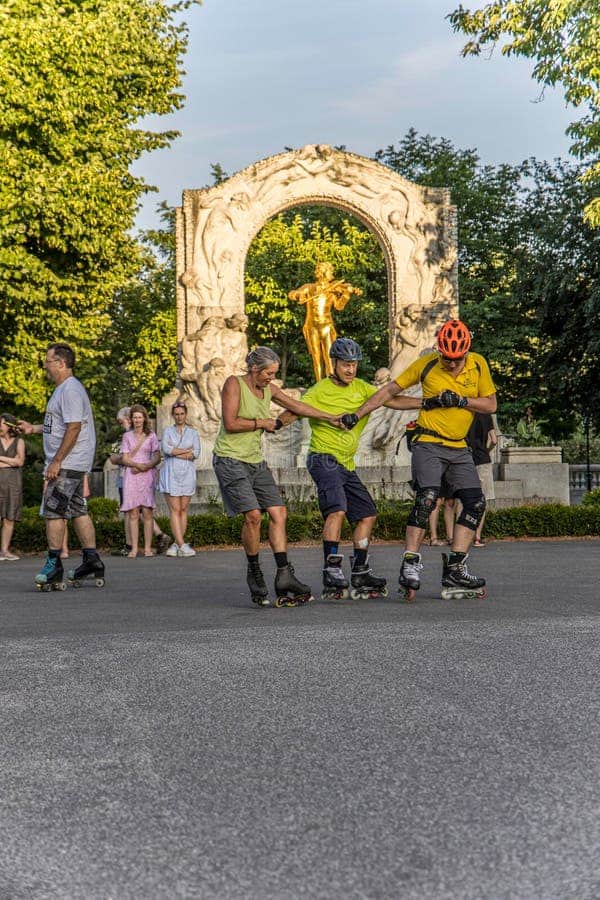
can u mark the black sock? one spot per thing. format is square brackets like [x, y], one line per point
[252, 557]
[455, 556]
[281, 560]
[360, 556]
[54, 554]
[330, 548]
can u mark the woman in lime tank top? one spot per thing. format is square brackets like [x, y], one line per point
[246, 482]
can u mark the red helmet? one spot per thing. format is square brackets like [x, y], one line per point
[454, 339]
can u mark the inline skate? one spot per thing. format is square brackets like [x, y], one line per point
[365, 585]
[255, 580]
[457, 581]
[288, 590]
[335, 585]
[409, 579]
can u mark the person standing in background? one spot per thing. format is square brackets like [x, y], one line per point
[482, 438]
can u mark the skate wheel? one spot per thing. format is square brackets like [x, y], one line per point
[356, 594]
[280, 601]
[59, 586]
[383, 592]
[261, 600]
[99, 582]
[46, 588]
[482, 594]
[75, 583]
[38, 587]
[408, 594]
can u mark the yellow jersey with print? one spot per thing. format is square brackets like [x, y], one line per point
[451, 424]
[337, 399]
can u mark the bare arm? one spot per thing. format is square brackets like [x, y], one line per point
[28, 428]
[69, 440]
[15, 462]
[300, 408]
[383, 397]
[482, 404]
[404, 401]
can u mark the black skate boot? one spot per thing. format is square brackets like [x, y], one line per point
[335, 585]
[457, 581]
[410, 575]
[91, 567]
[259, 593]
[365, 585]
[52, 576]
[288, 590]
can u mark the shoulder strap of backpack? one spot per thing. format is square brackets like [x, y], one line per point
[427, 369]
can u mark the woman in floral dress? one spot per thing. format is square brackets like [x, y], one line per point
[141, 455]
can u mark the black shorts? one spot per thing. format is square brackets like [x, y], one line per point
[339, 489]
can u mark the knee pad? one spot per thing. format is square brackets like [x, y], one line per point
[424, 504]
[473, 507]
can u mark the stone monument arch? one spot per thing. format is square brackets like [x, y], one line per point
[415, 227]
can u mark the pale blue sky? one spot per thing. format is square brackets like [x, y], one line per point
[276, 73]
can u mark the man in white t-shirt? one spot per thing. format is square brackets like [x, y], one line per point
[69, 447]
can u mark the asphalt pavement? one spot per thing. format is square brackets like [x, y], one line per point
[163, 738]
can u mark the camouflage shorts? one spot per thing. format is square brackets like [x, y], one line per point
[63, 497]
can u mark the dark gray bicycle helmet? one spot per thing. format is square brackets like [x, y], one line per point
[345, 349]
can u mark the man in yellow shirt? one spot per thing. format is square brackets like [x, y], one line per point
[456, 384]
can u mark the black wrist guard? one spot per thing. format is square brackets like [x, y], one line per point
[278, 424]
[349, 420]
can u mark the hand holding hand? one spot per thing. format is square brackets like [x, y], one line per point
[349, 420]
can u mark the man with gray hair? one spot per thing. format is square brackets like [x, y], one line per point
[69, 448]
[246, 482]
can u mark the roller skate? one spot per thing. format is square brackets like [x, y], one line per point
[365, 585]
[91, 567]
[259, 593]
[335, 585]
[52, 576]
[409, 579]
[288, 590]
[458, 583]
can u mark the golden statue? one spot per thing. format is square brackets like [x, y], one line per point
[318, 330]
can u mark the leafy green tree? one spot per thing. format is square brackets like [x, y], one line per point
[76, 79]
[283, 256]
[562, 37]
[489, 201]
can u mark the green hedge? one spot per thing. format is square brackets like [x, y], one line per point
[206, 530]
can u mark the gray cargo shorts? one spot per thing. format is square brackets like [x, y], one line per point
[63, 497]
[245, 486]
[433, 462]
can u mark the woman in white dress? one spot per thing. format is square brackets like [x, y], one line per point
[180, 446]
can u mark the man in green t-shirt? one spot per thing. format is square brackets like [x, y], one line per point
[330, 462]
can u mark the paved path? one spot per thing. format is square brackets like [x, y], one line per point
[161, 738]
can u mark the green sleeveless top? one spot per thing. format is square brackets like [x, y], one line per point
[245, 445]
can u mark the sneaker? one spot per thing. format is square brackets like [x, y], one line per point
[124, 551]
[8, 556]
[479, 543]
[186, 550]
[173, 550]
[162, 542]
